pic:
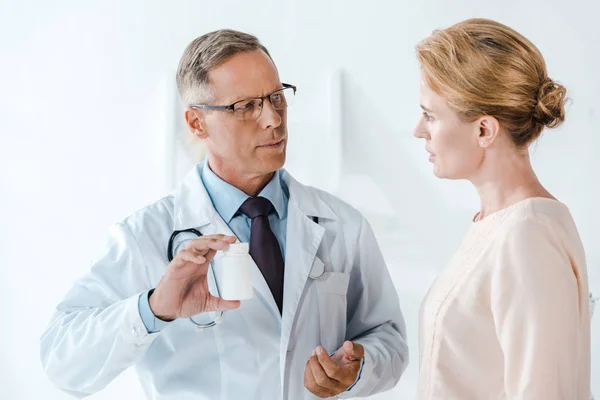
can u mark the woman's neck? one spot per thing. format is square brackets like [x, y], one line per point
[506, 180]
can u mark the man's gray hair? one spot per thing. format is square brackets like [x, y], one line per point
[204, 54]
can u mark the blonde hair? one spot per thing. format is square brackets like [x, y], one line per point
[482, 67]
[205, 53]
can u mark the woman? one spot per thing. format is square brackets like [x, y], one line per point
[509, 317]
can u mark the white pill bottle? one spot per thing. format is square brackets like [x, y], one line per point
[234, 272]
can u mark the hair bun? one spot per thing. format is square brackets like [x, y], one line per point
[550, 108]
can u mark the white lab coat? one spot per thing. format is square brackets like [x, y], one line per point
[254, 353]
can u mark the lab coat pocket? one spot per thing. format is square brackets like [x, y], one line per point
[332, 288]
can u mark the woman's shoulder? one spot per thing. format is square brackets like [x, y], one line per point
[539, 231]
[540, 217]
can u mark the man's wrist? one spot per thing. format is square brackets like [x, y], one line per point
[153, 307]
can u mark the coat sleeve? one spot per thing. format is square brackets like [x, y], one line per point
[96, 331]
[375, 319]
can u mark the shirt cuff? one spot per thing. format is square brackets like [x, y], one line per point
[152, 324]
[362, 363]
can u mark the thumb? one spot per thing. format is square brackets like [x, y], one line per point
[354, 351]
[218, 304]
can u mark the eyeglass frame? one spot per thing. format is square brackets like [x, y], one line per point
[231, 107]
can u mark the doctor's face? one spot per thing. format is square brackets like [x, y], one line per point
[452, 143]
[251, 147]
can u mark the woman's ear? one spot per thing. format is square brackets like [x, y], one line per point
[489, 128]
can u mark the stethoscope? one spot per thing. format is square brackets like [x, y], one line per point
[317, 270]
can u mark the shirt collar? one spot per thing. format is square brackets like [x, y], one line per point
[227, 199]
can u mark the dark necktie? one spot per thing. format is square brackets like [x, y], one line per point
[264, 247]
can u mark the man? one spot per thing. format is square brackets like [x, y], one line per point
[324, 319]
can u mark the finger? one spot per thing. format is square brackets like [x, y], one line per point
[311, 384]
[219, 237]
[321, 378]
[229, 239]
[309, 381]
[185, 256]
[331, 369]
[354, 351]
[209, 255]
[203, 239]
[338, 355]
[216, 236]
[205, 243]
[219, 304]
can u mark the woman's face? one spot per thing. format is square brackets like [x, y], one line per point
[452, 144]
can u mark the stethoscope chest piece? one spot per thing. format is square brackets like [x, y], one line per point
[317, 270]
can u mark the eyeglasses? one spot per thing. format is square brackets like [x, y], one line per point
[252, 108]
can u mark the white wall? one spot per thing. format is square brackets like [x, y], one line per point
[82, 111]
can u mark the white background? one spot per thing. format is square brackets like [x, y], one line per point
[86, 98]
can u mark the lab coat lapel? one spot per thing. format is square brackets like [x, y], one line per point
[304, 237]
